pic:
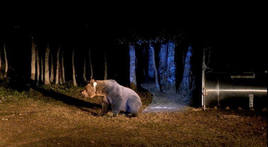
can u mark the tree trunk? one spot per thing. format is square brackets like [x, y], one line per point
[186, 83]
[6, 61]
[0, 64]
[90, 64]
[132, 67]
[47, 82]
[62, 68]
[84, 70]
[73, 67]
[155, 68]
[37, 67]
[151, 73]
[51, 68]
[33, 62]
[171, 66]
[57, 67]
[163, 66]
[60, 74]
[42, 68]
[105, 66]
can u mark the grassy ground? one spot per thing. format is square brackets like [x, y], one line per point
[62, 118]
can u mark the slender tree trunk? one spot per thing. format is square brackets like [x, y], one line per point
[62, 68]
[73, 67]
[105, 67]
[155, 68]
[33, 70]
[84, 70]
[171, 66]
[42, 68]
[90, 64]
[47, 80]
[51, 68]
[0, 62]
[57, 67]
[37, 67]
[132, 67]
[1, 71]
[163, 66]
[60, 74]
[185, 86]
[6, 61]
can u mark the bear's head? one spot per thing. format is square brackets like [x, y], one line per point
[90, 89]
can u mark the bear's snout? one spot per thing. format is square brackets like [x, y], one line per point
[84, 93]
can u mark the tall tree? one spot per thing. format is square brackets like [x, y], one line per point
[171, 68]
[132, 67]
[73, 67]
[57, 67]
[157, 85]
[33, 62]
[6, 61]
[186, 86]
[60, 74]
[51, 68]
[47, 80]
[84, 70]
[105, 66]
[163, 57]
[0, 62]
[37, 66]
[62, 67]
[90, 64]
[42, 68]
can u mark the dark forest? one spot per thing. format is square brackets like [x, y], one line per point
[206, 78]
[225, 43]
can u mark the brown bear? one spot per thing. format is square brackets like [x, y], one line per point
[120, 98]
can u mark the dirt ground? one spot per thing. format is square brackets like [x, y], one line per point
[60, 120]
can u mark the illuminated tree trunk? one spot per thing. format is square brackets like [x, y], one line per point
[186, 86]
[51, 69]
[84, 70]
[57, 67]
[62, 68]
[37, 67]
[60, 74]
[6, 61]
[47, 80]
[132, 67]
[171, 67]
[33, 62]
[42, 68]
[105, 66]
[0, 64]
[73, 67]
[90, 64]
[150, 64]
[163, 73]
[155, 68]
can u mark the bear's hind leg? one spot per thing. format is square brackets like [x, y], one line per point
[133, 107]
[104, 108]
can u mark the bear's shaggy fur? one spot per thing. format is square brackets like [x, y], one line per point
[120, 98]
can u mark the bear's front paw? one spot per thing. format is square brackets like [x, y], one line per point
[101, 114]
[115, 114]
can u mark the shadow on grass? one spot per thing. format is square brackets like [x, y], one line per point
[81, 104]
